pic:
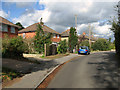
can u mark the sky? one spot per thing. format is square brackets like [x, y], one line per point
[60, 14]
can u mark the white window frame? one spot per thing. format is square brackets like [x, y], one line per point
[0, 27]
[12, 29]
[23, 35]
[54, 35]
[4, 28]
[58, 36]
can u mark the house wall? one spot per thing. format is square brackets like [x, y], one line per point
[32, 34]
[64, 38]
[56, 39]
[27, 35]
[9, 34]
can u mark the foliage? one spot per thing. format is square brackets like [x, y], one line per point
[84, 43]
[62, 48]
[101, 44]
[13, 47]
[30, 45]
[116, 29]
[19, 24]
[41, 38]
[73, 39]
[8, 74]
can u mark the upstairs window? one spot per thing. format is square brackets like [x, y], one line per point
[23, 35]
[57, 36]
[4, 28]
[0, 27]
[12, 29]
[54, 36]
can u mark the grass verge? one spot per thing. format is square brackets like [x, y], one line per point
[9, 74]
[55, 56]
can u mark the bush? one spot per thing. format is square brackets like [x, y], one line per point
[62, 48]
[14, 47]
[84, 43]
[101, 44]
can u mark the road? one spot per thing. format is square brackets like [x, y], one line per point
[98, 70]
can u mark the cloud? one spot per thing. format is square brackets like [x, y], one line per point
[4, 14]
[60, 15]
[20, 3]
[29, 18]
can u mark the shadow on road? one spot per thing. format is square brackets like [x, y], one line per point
[108, 70]
[28, 67]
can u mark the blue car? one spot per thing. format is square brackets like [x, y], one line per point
[83, 50]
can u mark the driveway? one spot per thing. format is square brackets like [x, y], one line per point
[98, 70]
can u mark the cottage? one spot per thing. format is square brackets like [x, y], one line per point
[30, 32]
[8, 28]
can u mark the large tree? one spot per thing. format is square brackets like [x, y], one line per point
[41, 38]
[19, 24]
[73, 39]
[116, 29]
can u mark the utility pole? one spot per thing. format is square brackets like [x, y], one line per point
[76, 21]
[90, 36]
[76, 29]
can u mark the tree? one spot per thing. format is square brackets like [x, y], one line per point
[73, 39]
[84, 43]
[62, 48]
[41, 38]
[19, 24]
[101, 44]
[116, 29]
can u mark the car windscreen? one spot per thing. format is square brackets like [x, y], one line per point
[83, 47]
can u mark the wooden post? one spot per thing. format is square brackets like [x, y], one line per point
[90, 36]
[45, 49]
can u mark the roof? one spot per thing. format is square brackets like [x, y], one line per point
[5, 21]
[33, 28]
[66, 33]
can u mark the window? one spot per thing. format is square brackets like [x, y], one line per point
[23, 35]
[12, 29]
[0, 27]
[54, 36]
[4, 28]
[57, 36]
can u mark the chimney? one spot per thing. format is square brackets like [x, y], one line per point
[41, 23]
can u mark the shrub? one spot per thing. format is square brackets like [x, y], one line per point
[14, 47]
[62, 48]
[84, 43]
[101, 44]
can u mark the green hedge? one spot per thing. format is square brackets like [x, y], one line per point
[14, 47]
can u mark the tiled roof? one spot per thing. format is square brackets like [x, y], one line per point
[33, 28]
[66, 33]
[5, 21]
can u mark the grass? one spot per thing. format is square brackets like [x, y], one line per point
[55, 56]
[9, 74]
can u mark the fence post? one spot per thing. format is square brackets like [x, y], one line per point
[45, 49]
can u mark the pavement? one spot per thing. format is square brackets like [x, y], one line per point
[97, 70]
[34, 72]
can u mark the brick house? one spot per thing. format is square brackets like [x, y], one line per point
[30, 32]
[8, 28]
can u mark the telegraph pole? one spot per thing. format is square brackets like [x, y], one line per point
[76, 21]
[90, 36]
[76, 28]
